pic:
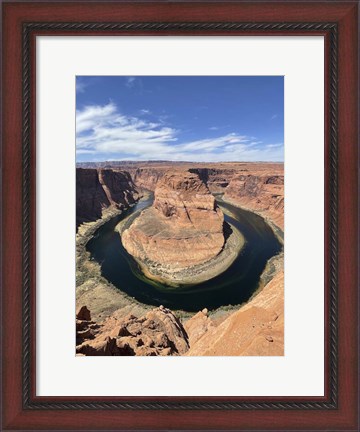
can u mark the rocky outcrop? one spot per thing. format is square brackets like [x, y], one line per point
[256, 329]
[184, 228]
[97, 190]
[261, 193]
[216, 179]
[197, 326]
[217, 176]
[90, 196]
[85, 328]
[159, 332]
[183, 199]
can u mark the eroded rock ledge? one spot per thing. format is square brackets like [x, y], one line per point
[182, 238]
[256, 329]
[158, 333]
[100, 189]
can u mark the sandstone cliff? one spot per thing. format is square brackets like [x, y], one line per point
[216, 176]
[263, 193]
[183, 199]
[216, 179]
[256, 329]
[147, 178]
[97, 190]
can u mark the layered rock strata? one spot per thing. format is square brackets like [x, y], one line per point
[146, 178]
[261, 193]
[256, 329]
[184, 230]
[216, 179]
[97, 190]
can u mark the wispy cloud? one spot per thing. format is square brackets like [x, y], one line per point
[103, 130]
[80, 85]
[130, 82]
[214, 128]
[273, 117]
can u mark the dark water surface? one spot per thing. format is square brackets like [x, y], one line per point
[232, 287]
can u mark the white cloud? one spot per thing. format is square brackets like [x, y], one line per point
[93, 115]
[214, 128]
[80, 86]
[130, 82]
[273, 117]
[270, 146]
[104, 130]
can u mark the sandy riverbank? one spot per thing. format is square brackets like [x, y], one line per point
[92, 289]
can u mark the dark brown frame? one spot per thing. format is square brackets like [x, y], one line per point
[22, 409]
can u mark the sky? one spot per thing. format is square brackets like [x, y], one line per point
[180, 118]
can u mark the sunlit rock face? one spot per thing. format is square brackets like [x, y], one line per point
[158, 333]
[183, 228]
[263, 193]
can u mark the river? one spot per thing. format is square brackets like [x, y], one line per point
[232, 287]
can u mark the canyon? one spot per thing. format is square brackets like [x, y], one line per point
[257, 186]
[181, 230]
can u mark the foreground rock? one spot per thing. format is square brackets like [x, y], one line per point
[256, 329]
[97, 190]
[159, 332]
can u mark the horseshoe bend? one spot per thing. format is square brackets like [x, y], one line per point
[217, 223]
[182, 238]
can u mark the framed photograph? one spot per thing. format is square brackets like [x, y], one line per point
[180, 215]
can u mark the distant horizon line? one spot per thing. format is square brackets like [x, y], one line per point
[173, 161]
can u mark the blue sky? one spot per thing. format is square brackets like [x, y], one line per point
[187, 118]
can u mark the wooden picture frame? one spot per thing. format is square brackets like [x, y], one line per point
[337, 21]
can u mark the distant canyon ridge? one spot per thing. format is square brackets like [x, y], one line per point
[254, 186]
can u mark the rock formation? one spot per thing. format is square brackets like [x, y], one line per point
[159, 332]
[216, 179]
[184, 227]
[147, 178]
[228, 177]
[97, 190]
[261, 193]
[256, 329]
[85, 328]
[197, 326]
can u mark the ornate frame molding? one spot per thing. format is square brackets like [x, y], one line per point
[188, 28]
